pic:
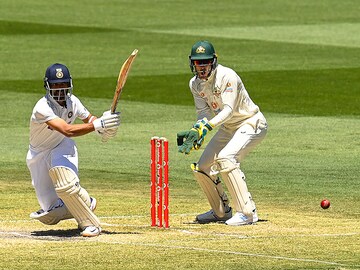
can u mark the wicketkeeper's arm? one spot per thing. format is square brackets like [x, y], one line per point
[222, 116]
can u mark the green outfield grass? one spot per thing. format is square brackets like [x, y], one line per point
[300, 64]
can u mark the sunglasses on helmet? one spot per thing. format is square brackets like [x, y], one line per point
[202, 62]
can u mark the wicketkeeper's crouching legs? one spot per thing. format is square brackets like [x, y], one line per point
[234, 180]
[218, 200]
[76, 199]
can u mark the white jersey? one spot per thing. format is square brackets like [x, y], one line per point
[42, 137]
[224, 88]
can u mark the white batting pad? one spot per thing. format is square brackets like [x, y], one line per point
[234, 179]
[76, 199]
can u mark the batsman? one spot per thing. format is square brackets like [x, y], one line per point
[222, 101]
[52, 157]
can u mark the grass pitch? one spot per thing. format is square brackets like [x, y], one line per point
[300, 64]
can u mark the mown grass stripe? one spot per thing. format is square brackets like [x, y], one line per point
[30, 28]
[331, 34]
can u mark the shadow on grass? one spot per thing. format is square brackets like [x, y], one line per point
[219, 222]
[58, 235]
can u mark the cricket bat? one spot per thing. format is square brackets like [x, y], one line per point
[124, 72]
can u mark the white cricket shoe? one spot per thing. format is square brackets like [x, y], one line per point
[210, 216]
[91, 231]
[240, 219]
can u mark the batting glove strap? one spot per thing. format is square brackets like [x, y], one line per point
[107, 122]
[98, 124]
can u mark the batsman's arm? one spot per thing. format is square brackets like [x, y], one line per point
[70, 130]
[103, 123]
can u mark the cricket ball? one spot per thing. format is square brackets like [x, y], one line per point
[325, 204]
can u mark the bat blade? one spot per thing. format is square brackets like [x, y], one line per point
[123, 74]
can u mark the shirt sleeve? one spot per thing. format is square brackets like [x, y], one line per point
[222, 116]
[229, 96]
[230, 93]
[81, 111]
[42, 113]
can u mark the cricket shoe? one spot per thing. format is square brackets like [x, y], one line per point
[91, 231]
[240, 219]
[210, 216]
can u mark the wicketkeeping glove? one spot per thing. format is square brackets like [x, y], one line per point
[186, 140]
[194, 138]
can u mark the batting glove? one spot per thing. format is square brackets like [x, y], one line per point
[107, 121]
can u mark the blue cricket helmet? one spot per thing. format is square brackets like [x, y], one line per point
[58, 73]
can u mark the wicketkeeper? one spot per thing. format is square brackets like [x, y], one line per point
[53, 158]
[221, 100]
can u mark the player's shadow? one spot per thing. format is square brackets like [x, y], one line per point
[262, 220]
[56, 233]
[67, 234]
[217, 222]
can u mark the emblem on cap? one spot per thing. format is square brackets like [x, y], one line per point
[59, 74]
[200, 49]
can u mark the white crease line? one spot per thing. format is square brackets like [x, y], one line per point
[104, 217]
[229, 252]
[124, 225]
[275, 236]
[200, 249]
[147, 216]
[200, 233]
[236, 235]
[17, 234]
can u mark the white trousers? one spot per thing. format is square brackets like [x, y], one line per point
[232, 144]
[39, 164]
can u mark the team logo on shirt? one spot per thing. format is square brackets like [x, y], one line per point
[214, 105]
[228, 87]
[70, 114]
[59, 74]
[217, 92]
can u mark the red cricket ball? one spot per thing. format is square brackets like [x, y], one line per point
[325, 204]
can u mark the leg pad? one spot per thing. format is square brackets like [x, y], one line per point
[213, 191]
[76, 199]
[234, 179]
